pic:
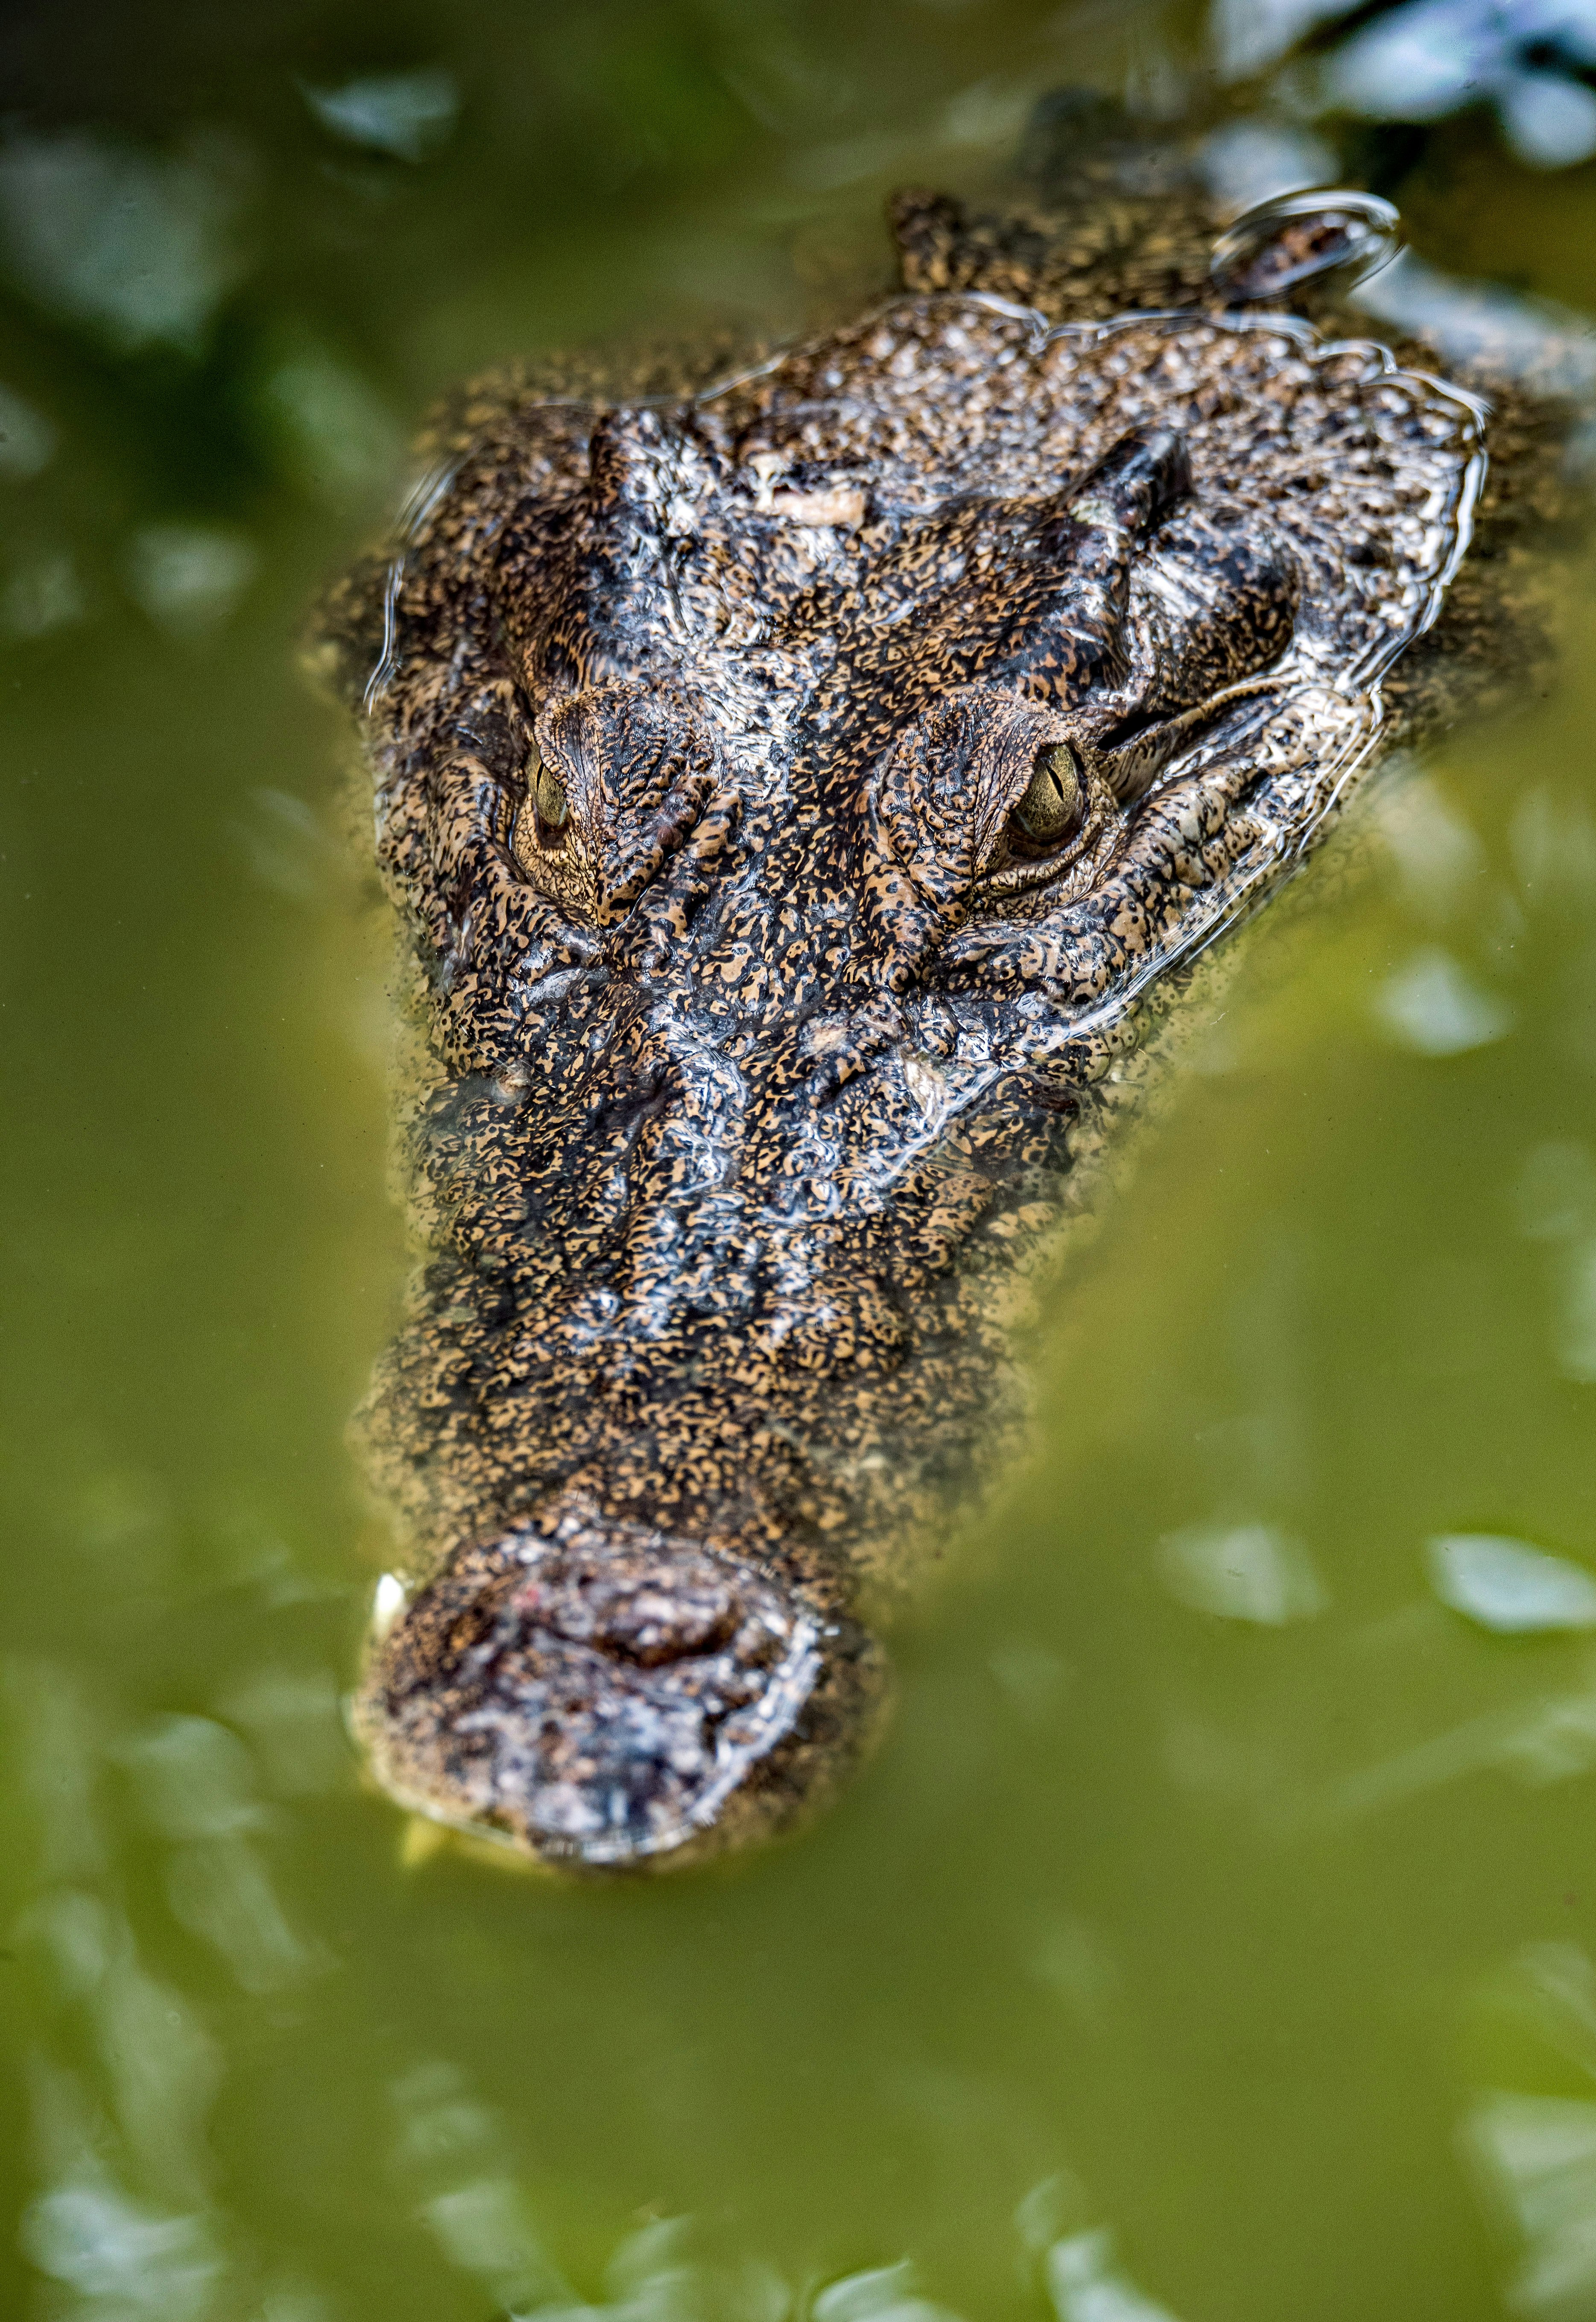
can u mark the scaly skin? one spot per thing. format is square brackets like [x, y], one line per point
[787, 792]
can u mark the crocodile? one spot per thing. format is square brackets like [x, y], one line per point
[792, 785]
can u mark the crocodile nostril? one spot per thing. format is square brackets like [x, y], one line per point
[654, 1621]
[610, 1695]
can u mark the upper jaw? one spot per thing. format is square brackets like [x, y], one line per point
[605, 1696]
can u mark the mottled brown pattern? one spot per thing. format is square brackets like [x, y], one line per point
[788, 792]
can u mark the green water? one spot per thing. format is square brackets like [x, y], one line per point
[1267, 1945]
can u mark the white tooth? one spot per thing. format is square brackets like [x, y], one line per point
[387, 1603]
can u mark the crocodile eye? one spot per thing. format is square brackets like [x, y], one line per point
[1051, 810]
[550, 803]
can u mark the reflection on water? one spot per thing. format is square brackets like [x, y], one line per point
[1033, 1677]
[28, 440]
[449, 2153]
[141, 246]
[122, 2260]
[41, 596]
[1547, 1739]
[124, 2070]
[188, 578]
[324, 424]
[1509, 1587]
[1086, 2285]
[407, 115]
[1556, 1202]
[294, 1722]
[1077, 2267]
[1439, 855]
[1245, 1572]
[222, 1891]
[1437, 1008]
[1539, 2155]
[125, 2075]
[1422, 58]
[161, 2068]
[1247, 162]
[883, 2294]
[288, 847]
[1534, 2155]
[1429, 57]
[195, 1785]
[1070, 1959]
[1532, 341]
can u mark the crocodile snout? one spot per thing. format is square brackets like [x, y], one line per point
[606, 1695]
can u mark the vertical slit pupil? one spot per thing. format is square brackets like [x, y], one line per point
[549, 801]
[1050, 806]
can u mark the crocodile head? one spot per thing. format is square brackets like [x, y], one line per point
[788, 791]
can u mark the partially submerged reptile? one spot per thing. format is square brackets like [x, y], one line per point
[789, 791]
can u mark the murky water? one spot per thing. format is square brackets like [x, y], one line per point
[1216, 1934]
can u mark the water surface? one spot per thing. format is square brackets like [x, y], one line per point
[1215, 1936]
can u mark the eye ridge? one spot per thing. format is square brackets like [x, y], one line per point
[1052, 806]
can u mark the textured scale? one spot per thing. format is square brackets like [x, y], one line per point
[761, 1018]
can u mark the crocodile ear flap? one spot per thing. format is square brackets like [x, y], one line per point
[1131, 770]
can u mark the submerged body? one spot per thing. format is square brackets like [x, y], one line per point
[791, 790]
